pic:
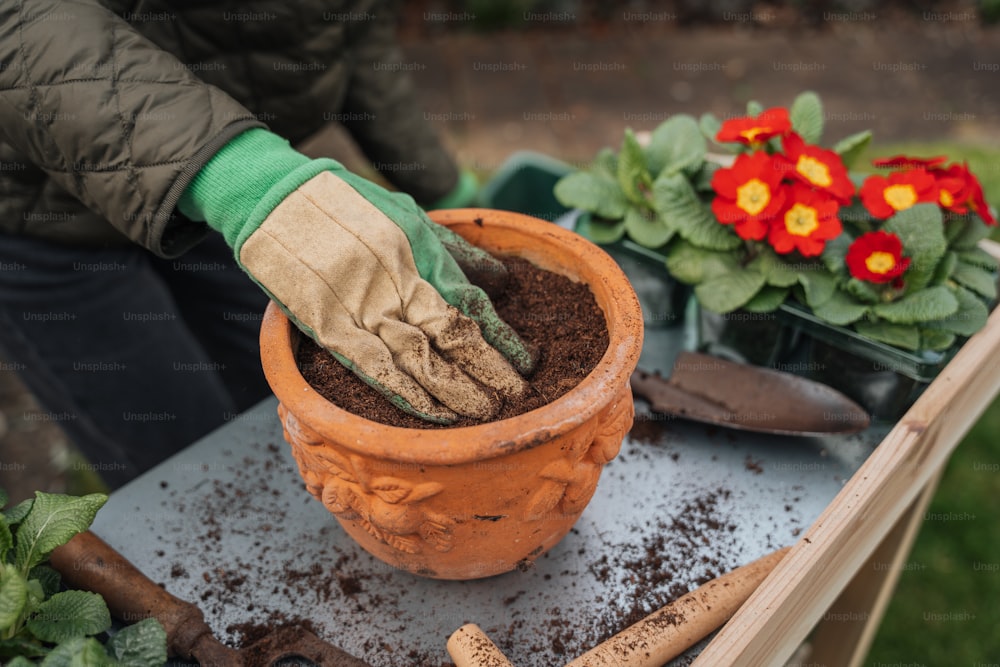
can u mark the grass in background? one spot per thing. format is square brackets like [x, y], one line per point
[945, 611]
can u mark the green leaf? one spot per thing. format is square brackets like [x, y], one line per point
[835, 255]
[970, 317]
[920, 229]
[53, 520]
[978, 257]
[840, 309]
[591, 192]
[141, 644]
[933, 303]
[601, 232]
[21, 661]
[676, 146]
[633, 176]
[818, 286]
[651, 233]
[776, 270]
[692, 265]
[944, 268]
[806, 115]
[3, 498]
[47, 577]
[78, 652]
[901, 335]
[70, 614]
[23, 647]
[6, 540]
[709, 125]
[976, 279]
[754, 108]
[13, 596]
[850, 148]
[677, 202]
[862, 291]
[605, 164]
[768, 299]
[15, 515]
[729, 291]
[968, 231]
[702, 180]
[935, 339]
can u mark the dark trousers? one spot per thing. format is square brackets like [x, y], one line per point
[134, 356]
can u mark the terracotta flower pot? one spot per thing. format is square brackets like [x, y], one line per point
[475, 501]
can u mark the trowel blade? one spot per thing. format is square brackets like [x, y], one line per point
[708, 389]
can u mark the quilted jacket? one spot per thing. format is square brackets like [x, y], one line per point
[108, 109]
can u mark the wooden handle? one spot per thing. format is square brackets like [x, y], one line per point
[89, 563]
[470, 647]
[671, 630]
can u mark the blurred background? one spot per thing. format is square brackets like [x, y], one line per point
[566, 77]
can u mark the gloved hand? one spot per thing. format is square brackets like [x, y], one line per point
[366, 274]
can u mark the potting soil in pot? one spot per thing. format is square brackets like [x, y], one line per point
[550, 312]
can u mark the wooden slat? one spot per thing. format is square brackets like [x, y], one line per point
[780, 614]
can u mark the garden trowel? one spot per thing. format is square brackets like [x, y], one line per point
[708, 389]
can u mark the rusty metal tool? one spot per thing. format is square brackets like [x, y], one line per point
[653, 641]
[709, 389]
[89, 563]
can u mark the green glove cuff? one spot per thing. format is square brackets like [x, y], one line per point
[244, 181]
[462, 195]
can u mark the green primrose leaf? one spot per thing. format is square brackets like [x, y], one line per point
[840, 309]
[729, 291]
[776, 270]
[834, 255]
[850, 148]
[53, 520]
[23, 648]
[754, 108]
[601, 232]
[77, 652]
[676, 146]
[6, 540]
[767, 300]
[901, 335]
[70, 614]
[862, 291]
[591, 192]
[47, 577]
[691, 264]
[818, 286]
[970, 317]
[20, 661]
[977, 279]
[140, 644]
[678, 203]
[935, 339]
[920, 229]
[709, 125]
[633, 175]
[13, 596]
[968, 230]
[978, 257]
[605, 164]
[702, 180]
[944, 268]
[806, 115]
[648, 232]
[933, 303]
[15, 515]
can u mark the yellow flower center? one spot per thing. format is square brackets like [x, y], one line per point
[753, 196]
[815, 171]
[751, 134]
[946, 198]
[801, 220]
[880, 262]
[900, 197]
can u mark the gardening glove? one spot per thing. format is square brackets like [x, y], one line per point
[366, 274]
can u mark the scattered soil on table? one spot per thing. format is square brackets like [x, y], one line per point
[552, 314]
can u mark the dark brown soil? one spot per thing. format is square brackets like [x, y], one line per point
[551, 313]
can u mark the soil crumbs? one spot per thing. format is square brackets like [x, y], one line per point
[553, 315]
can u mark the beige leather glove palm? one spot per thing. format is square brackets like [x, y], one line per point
[366, 274]
[346, 272]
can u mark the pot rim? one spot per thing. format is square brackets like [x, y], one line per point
[468, 444]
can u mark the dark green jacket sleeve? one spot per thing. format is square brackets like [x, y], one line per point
[118, 122]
